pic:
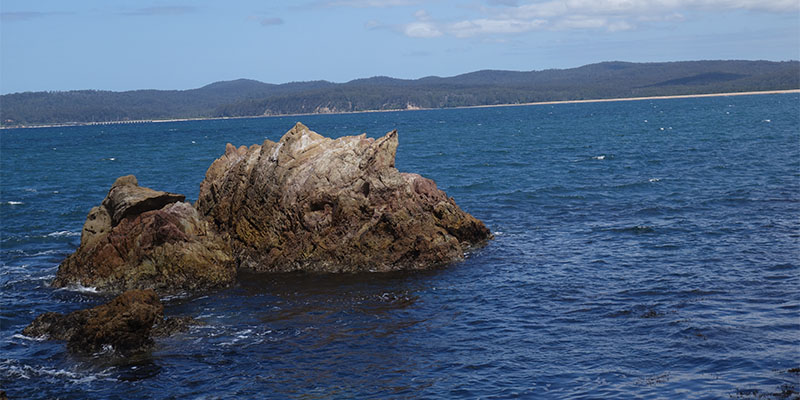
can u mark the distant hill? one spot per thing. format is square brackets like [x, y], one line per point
[244, 97]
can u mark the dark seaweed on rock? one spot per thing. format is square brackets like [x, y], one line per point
[123, 325]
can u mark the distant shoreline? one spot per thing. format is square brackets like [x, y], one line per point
[681, 96]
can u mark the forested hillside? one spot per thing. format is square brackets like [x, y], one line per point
[252, 98]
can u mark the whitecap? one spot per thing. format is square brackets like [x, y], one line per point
[767, 120]
[13, 369]
[63, 233]
[193, 142]
[498, 233]
[654, 179]
[14, 203]
[35, 339]
[244, 334]
[80, 288]
[106, 349]
[602, 157]
[44, 253]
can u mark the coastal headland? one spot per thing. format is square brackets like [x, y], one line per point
[605, 81]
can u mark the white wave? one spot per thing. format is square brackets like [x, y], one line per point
[654, 179]
[14, 203]
[35, 339]
[44, 253]
[107, 349]
[63, 233]
[244, 334]
[31, 372]
[176, 296]
[80, 288]
[767, 120]
[498, 233]
[32, 190]
[14, 269]
[601, 157]
[12, 369]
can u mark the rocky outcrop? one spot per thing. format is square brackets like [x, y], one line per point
[305, 203]
[316, 204]
[140, 238]
[123, 325]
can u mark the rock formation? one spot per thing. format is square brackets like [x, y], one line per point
[305, 203]
[123, 325]
[316, 204]
[141, 238]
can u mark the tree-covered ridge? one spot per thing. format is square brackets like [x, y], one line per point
[252, 98]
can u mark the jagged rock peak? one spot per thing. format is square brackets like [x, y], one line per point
[308, 202]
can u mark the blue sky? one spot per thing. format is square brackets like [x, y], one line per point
[124, 45]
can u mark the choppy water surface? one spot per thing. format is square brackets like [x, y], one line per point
[643, 249]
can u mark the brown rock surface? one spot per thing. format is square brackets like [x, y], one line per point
[124, 324]
[313, 203]
[126, 198]
[140, 238]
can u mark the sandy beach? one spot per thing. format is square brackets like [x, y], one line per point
[683, 96]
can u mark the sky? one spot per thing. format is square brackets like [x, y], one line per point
[174, 44]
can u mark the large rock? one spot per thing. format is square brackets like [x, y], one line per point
[140, 238]
[316, 204]
[123, 325]
[126, 198]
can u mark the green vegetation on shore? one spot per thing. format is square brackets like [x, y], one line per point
[241, 98]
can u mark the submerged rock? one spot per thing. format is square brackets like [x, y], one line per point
[124, 324]
[140, 238]
[174, 325]
[313, 203]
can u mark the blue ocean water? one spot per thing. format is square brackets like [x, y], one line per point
[645, 249]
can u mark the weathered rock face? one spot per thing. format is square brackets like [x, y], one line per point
[312, 203]
[124, 324]
[140, 238]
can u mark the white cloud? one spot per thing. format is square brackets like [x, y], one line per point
[421, 30]
[504, 17]
[162, 11]
[493, 26]
[372, 3]
[422, 15]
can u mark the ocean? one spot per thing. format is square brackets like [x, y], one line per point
[643, 249]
